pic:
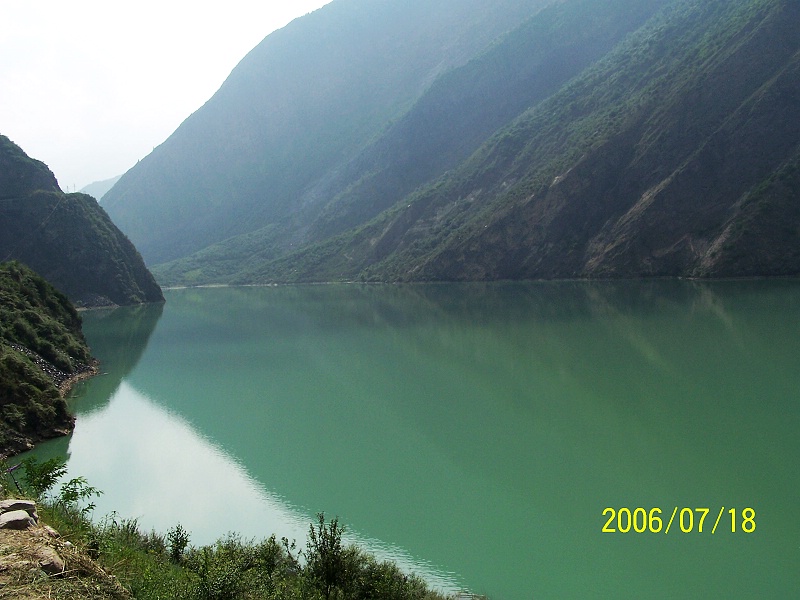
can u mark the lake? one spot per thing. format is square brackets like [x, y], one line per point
[475, 433]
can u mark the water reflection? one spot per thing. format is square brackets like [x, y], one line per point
[150, 462]
[118, 337]
[155, 467]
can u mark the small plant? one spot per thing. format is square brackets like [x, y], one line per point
[178, 540]
[325, 557]
[42, 476]
[292, 554]
[223, 570]
[73, 492]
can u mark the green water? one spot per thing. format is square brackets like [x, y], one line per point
[475, 433]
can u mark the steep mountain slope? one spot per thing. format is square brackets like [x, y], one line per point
[466, 105]
[295, 111]
[66, 238]
[676, 155]
[445, 126]
[622, 138]
[41, 347]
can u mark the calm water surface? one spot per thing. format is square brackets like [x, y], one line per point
[474, 433]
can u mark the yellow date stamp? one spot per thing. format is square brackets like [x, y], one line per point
[684, 520]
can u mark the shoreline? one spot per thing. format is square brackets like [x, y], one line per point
[20, 442]
[275, 284]
[89, 371]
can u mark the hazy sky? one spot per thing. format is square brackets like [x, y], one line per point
[91, 86]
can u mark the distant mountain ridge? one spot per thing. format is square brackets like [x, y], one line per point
[624, 138]
[66, 238]
[98, 189]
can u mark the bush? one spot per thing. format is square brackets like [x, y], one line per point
[325, 558]
[155, 566]
[39, 477]
[178, 539]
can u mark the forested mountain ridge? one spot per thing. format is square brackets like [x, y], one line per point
[596, 139]
[66, 238]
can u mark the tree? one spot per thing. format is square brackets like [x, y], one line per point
[325, 560]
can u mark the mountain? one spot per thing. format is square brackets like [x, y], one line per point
[98, 189]
[622, 138]
[66, 238]
[295, 110]
[41, 348]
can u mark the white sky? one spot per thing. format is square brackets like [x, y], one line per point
[91, 86]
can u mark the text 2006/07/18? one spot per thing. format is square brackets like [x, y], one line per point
[685, 520]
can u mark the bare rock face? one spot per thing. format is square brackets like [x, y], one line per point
[12, 504]
[18, 514]
[16, 519]
[49, 560]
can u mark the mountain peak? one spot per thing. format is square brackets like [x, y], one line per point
[66, 238]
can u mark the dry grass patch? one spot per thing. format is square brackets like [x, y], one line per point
[23, 554]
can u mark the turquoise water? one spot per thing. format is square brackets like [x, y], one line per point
[475, 433]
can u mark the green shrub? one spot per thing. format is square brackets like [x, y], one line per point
[40, 477]
[152, 566]
[325, 557]
[178, 539]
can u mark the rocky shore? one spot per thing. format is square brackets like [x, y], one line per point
[18, 442]
[63, 381]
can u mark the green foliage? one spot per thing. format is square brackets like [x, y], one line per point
[40, 477]
[370, 578]
[145, 563]
[222, 570]
[73, 496]
[325, 560]
[41, 345]
[178, 540]
[36, 315]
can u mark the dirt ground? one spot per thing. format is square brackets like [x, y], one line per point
[26, 555]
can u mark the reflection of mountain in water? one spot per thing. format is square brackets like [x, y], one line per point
[134, 446]
[118, 338]
[443, 358]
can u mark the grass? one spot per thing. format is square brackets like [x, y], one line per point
[114, 558]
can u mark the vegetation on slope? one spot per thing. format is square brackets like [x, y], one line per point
[448, 123]
[643, 156]
[646, 164]
[66, 238]
[115, 559]
[41, 347]
[295, 110]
